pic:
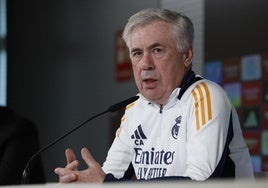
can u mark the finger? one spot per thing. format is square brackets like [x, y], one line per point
[62, 171]
[70, 156]
[87, 157]
[73, 165]
[66, 176]
[58, 171]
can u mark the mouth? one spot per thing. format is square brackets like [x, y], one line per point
[149, 80]
[149, 83]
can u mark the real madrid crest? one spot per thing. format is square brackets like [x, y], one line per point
[175, 129]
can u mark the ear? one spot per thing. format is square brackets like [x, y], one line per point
[188, 57]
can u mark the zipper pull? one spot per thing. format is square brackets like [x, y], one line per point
[161, 109]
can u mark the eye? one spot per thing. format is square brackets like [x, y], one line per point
[136, 53]
[158, 52]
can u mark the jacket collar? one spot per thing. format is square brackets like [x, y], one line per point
[187, 81]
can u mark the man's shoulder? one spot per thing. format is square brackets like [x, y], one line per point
[204, 89]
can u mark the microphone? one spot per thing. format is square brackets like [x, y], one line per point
[113, 108]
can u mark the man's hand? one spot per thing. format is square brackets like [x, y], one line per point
[94, 172]
[67, 174]
[70, 173]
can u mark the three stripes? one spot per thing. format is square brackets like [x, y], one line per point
[202, 103]
[138, 134]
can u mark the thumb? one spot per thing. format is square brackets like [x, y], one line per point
[88, 157]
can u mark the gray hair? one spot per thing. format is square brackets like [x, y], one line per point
[183, 26]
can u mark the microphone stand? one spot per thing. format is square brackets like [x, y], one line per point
[113, 108]
[25, 174]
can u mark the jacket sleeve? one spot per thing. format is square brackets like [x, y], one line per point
[208, 124]
[120, 154]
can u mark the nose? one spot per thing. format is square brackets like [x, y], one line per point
[147, 62]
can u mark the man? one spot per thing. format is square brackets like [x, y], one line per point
[181, 127]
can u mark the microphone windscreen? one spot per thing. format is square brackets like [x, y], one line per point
[122, 104]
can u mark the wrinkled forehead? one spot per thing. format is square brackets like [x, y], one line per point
[156, 31]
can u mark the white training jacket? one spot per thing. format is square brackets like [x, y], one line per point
[195, 135]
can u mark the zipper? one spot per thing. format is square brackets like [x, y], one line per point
[161, 122]
[161, 108]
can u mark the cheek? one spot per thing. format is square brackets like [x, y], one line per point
[136, 72]
[164, 70]
[169, 74]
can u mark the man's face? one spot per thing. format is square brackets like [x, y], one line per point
[157, 64]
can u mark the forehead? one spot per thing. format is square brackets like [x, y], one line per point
[155, 32]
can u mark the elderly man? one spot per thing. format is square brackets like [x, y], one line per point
[182, 126]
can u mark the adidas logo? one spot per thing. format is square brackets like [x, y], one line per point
[138, 136]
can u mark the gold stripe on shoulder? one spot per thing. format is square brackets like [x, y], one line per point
[130, 105]
[202, 104]
[123, 118]
[127, 107]
[208, 100]
[196, 110]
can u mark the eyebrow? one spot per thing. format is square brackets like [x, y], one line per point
[135, 50]
[150, 47]
[155, 45]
